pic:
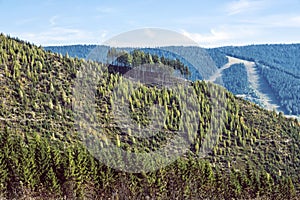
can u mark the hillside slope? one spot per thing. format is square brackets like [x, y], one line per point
[277, 65]
[277, 70]
[249, 152]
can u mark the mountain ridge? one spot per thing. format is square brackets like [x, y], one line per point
[288, 102]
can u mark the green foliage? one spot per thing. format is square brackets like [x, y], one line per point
[254, 154]
[138, 58]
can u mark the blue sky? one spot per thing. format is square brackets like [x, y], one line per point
[209, 23]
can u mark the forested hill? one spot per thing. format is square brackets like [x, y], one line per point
[284, 57]
[279, 66]
[250, 152]
[276, 67]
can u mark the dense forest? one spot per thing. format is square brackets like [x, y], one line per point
[236, 85]
[280, 66]
[49, 139]
[198, 60]
[277, 64]
[138, 58]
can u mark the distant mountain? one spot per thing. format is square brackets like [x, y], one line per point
[49, 137]
[272, 81]
[79, 51]
[277, 65]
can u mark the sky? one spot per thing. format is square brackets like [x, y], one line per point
[211, 23]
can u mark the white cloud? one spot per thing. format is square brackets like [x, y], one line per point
[63, 36]
[242, 6]
[224, 35]
[104, 34]
[53, 20]
[213, 37]
[237, 6]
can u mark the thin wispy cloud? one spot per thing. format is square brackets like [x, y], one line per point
[60, 36]
[242, 6]
[104, 34]
[211, 23]
[53, 20]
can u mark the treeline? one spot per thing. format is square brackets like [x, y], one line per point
[138, 58]
[79, 51]
[48, 135]
[201, 62]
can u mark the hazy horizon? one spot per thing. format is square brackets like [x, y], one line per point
[75, 44]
